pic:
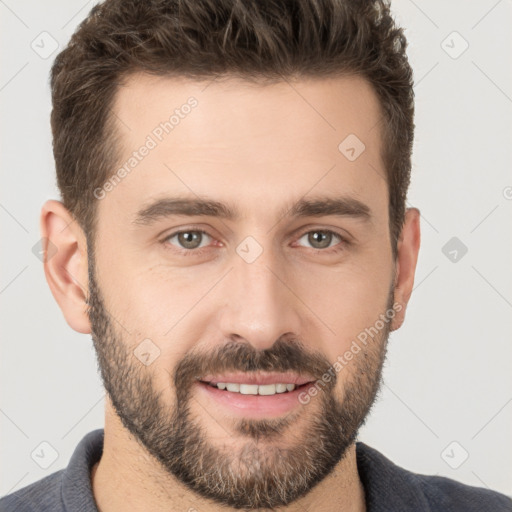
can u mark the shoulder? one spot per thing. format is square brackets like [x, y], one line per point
[446, 494]
[390, 487]
[64, 490]
[41, 496]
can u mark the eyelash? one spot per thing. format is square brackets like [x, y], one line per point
[199, 252]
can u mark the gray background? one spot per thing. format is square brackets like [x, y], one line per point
[447, 383]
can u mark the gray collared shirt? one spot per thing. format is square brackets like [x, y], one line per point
[388, 487]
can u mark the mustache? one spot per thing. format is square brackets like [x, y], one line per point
[283, 356]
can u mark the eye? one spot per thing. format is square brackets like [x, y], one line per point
[321, 239]
[188, 239]
[190, 242]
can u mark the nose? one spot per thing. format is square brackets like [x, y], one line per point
[259, 305]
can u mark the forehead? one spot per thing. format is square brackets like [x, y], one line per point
[231, 138]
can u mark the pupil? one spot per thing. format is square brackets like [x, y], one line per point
[324, 238]
[187, 239]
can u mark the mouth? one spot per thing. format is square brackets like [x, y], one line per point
[255, 395]
[255, 389]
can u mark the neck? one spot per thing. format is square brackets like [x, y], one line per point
[128, 478]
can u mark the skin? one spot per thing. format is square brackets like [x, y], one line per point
[258, 148]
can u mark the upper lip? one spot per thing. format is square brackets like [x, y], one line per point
[260, 378]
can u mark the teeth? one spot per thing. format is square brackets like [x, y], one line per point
[254, 389]
[249, 389]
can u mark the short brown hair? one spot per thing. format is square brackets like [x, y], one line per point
[257, 40]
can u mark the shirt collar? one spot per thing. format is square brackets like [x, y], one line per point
[76, 483]
[386, 485]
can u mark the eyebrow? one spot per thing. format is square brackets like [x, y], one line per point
[192, 207]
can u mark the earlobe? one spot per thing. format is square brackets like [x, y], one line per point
[65, 263]
[407, 258]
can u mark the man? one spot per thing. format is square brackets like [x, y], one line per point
[233, 234]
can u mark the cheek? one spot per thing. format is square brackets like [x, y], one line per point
[152, 299]
[346, 301]
[351, 292]
[169, 310]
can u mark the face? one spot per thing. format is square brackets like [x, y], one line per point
[244, 248]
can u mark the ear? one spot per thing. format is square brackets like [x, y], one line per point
[65, 263]
[407, 257]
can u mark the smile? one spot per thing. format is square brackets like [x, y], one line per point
[254, 389]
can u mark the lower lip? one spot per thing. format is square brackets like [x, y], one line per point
[255, 406]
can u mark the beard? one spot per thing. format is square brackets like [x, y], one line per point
[265, 471]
